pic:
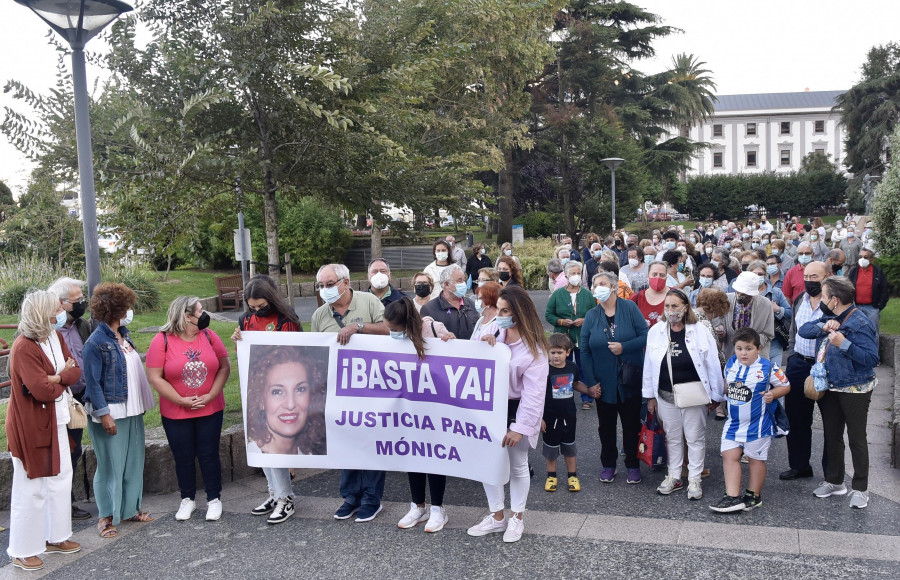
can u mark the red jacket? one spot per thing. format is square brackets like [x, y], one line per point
[31, 415]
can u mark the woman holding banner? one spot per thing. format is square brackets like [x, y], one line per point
[521, 330]
[404, 323]
[267, 310]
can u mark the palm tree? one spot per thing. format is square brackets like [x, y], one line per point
[694, 90]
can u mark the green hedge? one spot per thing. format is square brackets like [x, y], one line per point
[540, 224]
[891, 267]
[726, 196]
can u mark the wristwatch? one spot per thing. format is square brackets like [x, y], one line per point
[359, 326]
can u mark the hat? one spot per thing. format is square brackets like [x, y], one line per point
[746, 283]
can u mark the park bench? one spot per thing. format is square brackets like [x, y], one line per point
[231, 292]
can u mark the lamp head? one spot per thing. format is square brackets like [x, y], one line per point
[612, 162]
[77, 20]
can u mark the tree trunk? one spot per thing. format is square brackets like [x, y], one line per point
[375, 246]
[504, 198]
[168, 267]
[360, 221]
[271, 219]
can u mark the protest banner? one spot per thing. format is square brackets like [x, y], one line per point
[374, 404]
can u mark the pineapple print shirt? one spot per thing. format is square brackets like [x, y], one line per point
[190, 367]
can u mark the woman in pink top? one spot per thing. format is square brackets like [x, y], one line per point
[188, 365]
[521, 330]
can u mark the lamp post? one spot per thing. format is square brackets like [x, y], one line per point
[78, 21]
[613, 163]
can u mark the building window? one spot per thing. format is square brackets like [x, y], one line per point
[785, 157]
[820, 151]
[717, 159]
[785, 127]
[820, 126]
[751, 158]
[751, 129]
[717, 130]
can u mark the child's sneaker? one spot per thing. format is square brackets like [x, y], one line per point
[669, 485]
[488, 526]
[551, 483]
[728, 504]
[414, 516]
[751, 500]
[574, 484]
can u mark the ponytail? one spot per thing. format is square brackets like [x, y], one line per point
[403, 312]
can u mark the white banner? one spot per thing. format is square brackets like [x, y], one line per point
[374, 404]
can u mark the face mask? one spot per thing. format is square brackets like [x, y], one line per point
[598, 254]
[839, 225]
[481, 252]
[504, 276]
[479, 305]
[705, 281]
[330, 295]
[507, 252]
[804, 259]
[655, 240]
[567, 246]
[682, 249]
[727, 245]
[422, 290]
[59, 320]
[670, 245]
[460, 290]
[633, 262]
[78, 309]
[715, 263]
[681, 266]
[203, 321]
[813, 288]
[708, 250]
[264, 311]
[505, 321]
[754, 245]
[693, 240]
[129, 316]
[440, 256]
[850, 237]
[602, 293]
[813, 238]
[775, 251]
[648, 258]
[398, 334]
[380, 281]
[657, 284]
[836, 268]
[744, 299]
[825, 309]
[863, 263]
[564, 261]
[745, 236]
[574, 280]
[772, 269]
[744, 267]
[674, 316]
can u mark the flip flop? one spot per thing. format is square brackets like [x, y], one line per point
[141, 516]
[106, 528]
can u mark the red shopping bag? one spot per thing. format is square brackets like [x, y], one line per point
[652, 442]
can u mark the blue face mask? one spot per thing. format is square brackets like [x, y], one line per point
[670, 245]
[648, 258]
[772, 269]
[727, 245]
[505, 321]
[59, 320]
[775, 251]
[754, 245]
[564, 261]
[705, 281]
[460, 290]
[602, 293]
[804, 259]
[330, 295]
[398, 334]
[598, 254]
[681, 266]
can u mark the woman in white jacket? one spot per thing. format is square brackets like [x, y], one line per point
[687, 351]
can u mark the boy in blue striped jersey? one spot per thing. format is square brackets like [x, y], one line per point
[753, 384]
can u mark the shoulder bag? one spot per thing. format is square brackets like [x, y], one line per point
[77, 415]
[689, 394]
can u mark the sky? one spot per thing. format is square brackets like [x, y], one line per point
[767, 46]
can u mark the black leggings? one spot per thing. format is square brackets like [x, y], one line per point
[417, 487]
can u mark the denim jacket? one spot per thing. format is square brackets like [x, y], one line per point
[105, 376]
[855, 361]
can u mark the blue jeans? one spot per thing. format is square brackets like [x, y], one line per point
[279, 480]
[197, 437]
[361, 487]
[872, 314]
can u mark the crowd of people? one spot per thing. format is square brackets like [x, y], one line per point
[727, 318]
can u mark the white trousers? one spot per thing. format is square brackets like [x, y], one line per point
[40, 509]
[689, 423]
[519, 481]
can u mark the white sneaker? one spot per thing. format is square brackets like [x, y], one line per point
[438, 519]
[829, 489]
[213, 510]
[514, 529]
[694, 491]
[669, 485]
[413, 517]
[858, 499]
[185, 510]
[488, 526]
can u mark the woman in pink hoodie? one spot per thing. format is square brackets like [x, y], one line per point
[519, 327]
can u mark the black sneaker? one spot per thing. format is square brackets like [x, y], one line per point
[265, 508]
[728, 504]
[751, 500]
[284, 508]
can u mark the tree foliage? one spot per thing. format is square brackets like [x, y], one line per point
[887, 207]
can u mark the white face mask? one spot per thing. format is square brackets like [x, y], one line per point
[507, 252]
[441, 256]
[633, 262]
[129, 316]
[380, 281]
[863, 263]
[574, 280]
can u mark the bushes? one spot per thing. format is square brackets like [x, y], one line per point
[139, 278]
[726, 196]
[540, 224]
[22, 274]
[313, 234]
[891, 267]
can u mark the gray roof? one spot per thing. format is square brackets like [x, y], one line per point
[802, 100]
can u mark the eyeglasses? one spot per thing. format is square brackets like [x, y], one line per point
[804, 253]
[329, 284]
[79, 301]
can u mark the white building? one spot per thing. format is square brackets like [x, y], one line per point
[768, 132]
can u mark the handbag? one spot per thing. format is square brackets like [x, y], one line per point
[783, 331]
[652, 442]
[809, 389]
[689, 394]
[77, 415]
[779, 416]
[632, 375]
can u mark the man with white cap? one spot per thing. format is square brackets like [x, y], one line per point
[747, 309]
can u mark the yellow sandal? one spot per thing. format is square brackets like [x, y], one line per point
[551, 483]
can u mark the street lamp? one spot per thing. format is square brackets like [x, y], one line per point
[613, 163]
[78, 21]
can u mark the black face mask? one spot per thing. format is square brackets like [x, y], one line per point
[422, 290]
[825, 309]
[835, 268]
[504, 276]
[203, 321]
[744, 267]
[78, 309]
[813, 288]
[744, 299]
[264, 311]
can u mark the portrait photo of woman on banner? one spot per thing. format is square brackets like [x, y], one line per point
[286, 400]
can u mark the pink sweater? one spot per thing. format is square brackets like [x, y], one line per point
[528, 383]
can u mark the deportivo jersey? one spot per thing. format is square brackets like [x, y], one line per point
[745, 387]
